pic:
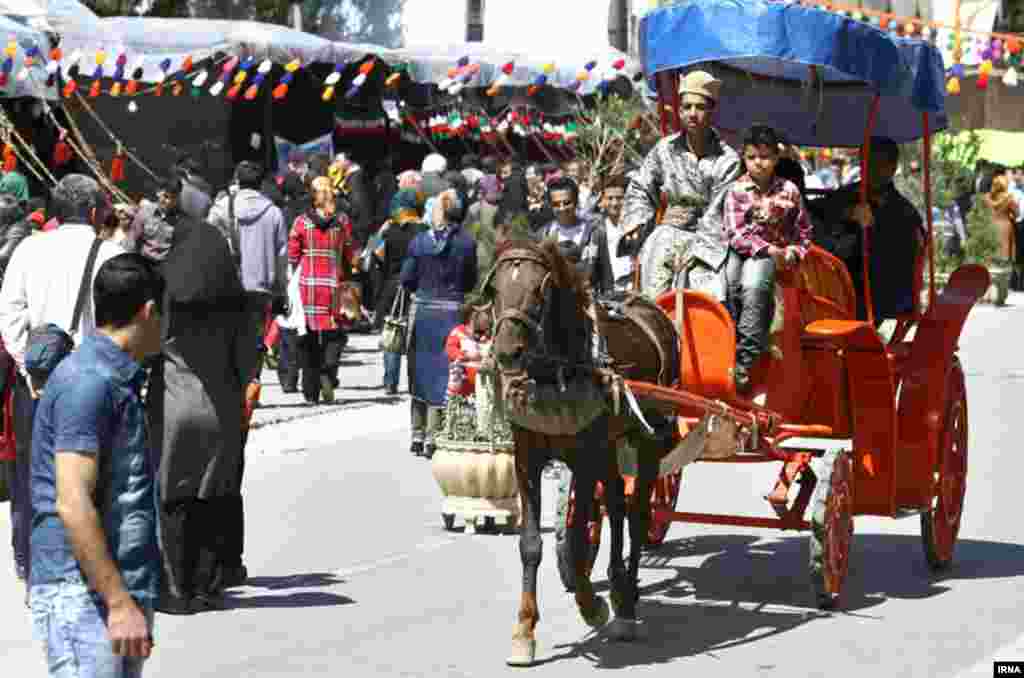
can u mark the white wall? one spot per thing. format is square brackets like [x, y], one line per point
[520, 24]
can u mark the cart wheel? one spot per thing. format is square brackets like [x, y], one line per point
[831, 527]
[941, 525]
[563, 519]
[664, 495]
[449, 521]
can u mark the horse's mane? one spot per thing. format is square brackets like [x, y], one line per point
[563, 274]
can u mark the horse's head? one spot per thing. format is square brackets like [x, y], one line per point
[537, 308]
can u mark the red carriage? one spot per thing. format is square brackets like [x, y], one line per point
[863, 424]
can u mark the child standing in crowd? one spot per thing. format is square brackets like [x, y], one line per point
[768, 230]
[464, 348]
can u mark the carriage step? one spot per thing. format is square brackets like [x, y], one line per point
[818, 444]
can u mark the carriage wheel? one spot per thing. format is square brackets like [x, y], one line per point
[563, 519]
[941, 524]
[664, 495]
[831, 527]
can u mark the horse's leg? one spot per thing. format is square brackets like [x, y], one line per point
[529, 464]
[625, 627]
[615, 501]
[588, 466]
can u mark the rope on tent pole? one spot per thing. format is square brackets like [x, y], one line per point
[117, 142]
[11, 131]
[78, 143]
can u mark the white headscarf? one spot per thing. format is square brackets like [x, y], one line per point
[434, 163]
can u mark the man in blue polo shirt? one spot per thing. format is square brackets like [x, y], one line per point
[94, 556]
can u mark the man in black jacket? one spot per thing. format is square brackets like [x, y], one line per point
[582, 241]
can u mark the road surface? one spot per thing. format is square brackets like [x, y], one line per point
[352, 573]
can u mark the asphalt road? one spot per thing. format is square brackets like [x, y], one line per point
[352, 574]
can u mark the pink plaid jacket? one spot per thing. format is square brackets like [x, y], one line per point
[755, 220]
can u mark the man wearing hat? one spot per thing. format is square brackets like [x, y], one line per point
[693, 169]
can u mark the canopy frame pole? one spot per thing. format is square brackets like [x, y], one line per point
[926, 178]
[865, 157]
[663, 80]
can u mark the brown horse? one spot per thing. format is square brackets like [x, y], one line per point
[554, 392]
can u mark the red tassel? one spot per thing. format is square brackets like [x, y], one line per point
[281, 91]
[159, 91]
[69, 88]
[132, 88]
[117, 168]
[10, 160]
[233, 92]
[94, 91]
[61, 154]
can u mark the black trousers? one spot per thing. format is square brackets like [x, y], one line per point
[288, 359]
[321, 354]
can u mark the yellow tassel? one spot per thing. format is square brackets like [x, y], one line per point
[953, 86]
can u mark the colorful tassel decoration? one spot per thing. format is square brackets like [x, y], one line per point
[233, 92]
[393, 79]
[117, 166]
[115, 89]
[10, 159]
[177, 88]
[69, 88]
[94, 90]
[328, 93]
[61, 152]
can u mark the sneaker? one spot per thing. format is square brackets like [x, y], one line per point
[428, 451]
[326, 389]
[416, 448]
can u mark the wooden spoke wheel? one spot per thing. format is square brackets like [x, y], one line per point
[664, 496]
[831, 527]
[940, 525]
[564, 518]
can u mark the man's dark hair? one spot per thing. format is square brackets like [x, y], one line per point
[615, 181]
[249, 174]
[885, 148]
[489, 165]
[470, 161]
[762, 135]
[75, 197]
[564, 184]
[123, 285]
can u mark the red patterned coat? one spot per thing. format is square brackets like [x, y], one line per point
[324, 256]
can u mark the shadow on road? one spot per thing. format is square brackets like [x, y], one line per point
[306, 598]
[747, 588]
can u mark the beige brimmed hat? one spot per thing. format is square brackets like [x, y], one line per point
[702, 83]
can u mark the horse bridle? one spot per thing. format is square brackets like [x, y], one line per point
[533, 322]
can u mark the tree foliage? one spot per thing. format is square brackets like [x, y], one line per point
[614, 135]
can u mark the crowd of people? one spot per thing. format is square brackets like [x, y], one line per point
[135, 336]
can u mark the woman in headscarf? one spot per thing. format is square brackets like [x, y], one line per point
[195, 400]
[320, 251]
[14, 184]
[440, 269]
[405, 224]
[1004, 216]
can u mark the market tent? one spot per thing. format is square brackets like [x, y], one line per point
[832, 65]
[19, 82]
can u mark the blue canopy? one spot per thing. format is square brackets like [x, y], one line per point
[810, 73]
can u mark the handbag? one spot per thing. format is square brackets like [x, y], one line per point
[396, 324]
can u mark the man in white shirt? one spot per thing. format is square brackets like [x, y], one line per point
[41, 286]
[612, 198]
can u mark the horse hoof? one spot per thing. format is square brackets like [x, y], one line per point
[598, 617]
[524, 652]
[623, 630]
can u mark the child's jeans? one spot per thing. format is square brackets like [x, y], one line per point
[751, 293]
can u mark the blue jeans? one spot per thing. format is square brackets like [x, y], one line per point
[71, 624]
[392, 368]
[751, 294]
